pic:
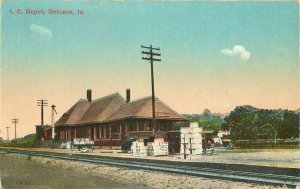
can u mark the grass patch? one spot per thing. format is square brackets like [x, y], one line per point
[266, 146]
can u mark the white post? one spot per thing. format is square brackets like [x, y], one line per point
[52, 124]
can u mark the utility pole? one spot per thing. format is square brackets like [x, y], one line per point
[151, 57]
[7, 129]
[52, 119]
[299, 129]
[15, 121]
[42, 103]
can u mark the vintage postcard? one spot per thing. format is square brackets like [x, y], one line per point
[149, 94]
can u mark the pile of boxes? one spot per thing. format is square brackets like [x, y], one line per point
[82, 141]
[191, 141]
[190, 145]
[158, 148]
[65, 145]
[138, 148]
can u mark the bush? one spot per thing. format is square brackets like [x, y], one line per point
[28, 141]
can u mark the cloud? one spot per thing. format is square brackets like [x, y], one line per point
[42, 31]
[237, 50]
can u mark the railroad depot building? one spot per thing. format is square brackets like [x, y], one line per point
[109, 120]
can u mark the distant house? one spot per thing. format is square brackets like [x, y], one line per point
[109, 119]
[43, 132]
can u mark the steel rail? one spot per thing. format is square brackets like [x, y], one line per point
[252, 177]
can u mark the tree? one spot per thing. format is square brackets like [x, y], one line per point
[289, 126]
[208, 121]
[242, 122]
[207, 114]
[247, 122]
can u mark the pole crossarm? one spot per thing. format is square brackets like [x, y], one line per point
[153, 59]
[153, 53]
[150, 47]
[42, 103]
[15, 120]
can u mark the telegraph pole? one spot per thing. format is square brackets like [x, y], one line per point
[7, 129]
[15, 121]
[52, 119]
[42, 103]
[150, 53]
[299, 129]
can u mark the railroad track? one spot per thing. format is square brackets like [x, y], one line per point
[265, 175]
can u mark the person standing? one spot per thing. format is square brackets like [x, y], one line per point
[204, 146]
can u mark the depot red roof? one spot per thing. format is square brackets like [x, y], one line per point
[113, 107]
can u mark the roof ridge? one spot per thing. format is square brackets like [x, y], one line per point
[74, 106]
[100, 107]
[107, 96]
[69, 112]
[139, 99]
[136, 101]
[111, 104]
[81, 99]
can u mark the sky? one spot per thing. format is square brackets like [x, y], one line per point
[215, 55]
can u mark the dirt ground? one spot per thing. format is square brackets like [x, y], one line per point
[19, 173]
[48, 173]
[288, 158]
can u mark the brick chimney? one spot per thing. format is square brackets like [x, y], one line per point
[127, 95]
[89, 95]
